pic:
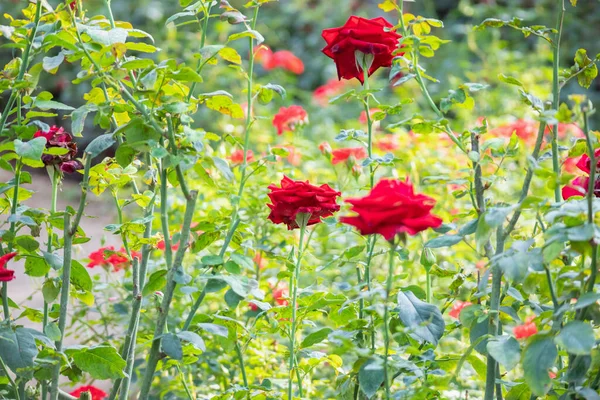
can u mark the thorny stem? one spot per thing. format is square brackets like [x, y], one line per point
[386, 329]
[556, 95]
[173, 146]
[154, 355]
[294, 289]
[13, 224]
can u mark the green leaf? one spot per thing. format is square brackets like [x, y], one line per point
[36, 267]
[193, 338]
[99, 144]
[577, 337]
[50, 290]
[156, 282]
[590, 70]
[32, 149]
[444, 241]
[316, 337]
[125, 155]
[171, 346]
[215, 329]
[51, 105]
[101, 362]
[17, 348]
[80, 278]
[539, 356]
[505, 350]
[52, 331]
[55, 260]
[424, 320]
[51, 64]
[510, 80]
[212, 260]
[205, 240]
[249, 33]
[371, 376]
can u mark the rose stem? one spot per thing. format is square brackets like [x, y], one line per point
[303, 219]
[154, 355]
[556, 96]
[388, 290]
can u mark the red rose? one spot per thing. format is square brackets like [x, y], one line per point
[457, 307]
[525, 330]
[579, 186]
[368, 36]
[108, 257]
[237, 157]
[341, 155]
[390, 208]
[96, 393]
[6, 275]
[331, 88]
[295, 197]
[280, 59]
[288, 118]
[57, 137]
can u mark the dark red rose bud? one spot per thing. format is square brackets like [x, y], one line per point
[57, 137]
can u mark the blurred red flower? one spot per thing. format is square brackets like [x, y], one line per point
[237, 157]
[296, 197]
[368, 36]
[108, 257]
[392, 207]
[457, 307]
[284, 59]
[363, 115]
[341, 155]
[322, 94]
[525, 330]
[97, 394]
[288, 118]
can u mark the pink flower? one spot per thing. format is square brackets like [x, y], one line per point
[457, 307]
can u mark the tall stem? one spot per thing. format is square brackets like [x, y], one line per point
[154, 355]
[64, 301]
[10, 379]
[294, 289]
[556, 95]
[386, 329]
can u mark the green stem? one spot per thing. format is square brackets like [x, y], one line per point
[556, 96]
[173, 147]
[10, 379]
[154, 355]
[238, 350]
[64, 301]
[365, 69]
[294, 289]
[84, 192]
[185, 385]
[24, 65]
[164, 216]
[386, 329]
[55, 181]
[202, 42]
[428, 283]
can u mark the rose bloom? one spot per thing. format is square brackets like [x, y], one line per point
[297, 197]
[527, 130]
[388, 143]
[341, 155]
[363, 115]
[6, 275]
[96, 393]
[525, 330]
[457, 307]
[237, 157]
[288, 118]
[284, 59]
[392, 207]
[57, 137]
[579, 186]
[108, 257]
[368, 36]
[322, 94]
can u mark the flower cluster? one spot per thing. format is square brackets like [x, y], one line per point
[108, 257]
[579, 186]
[57, 138]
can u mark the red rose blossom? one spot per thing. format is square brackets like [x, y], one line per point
[237, 157]
[57, 137]
[341, 155]
[579, 186]
[392, 207]
[288, 118]
[296, 197]
[284, 59]
[368, 36]
[525, 330]
[457, 307]
[97, 394]
[108, 257]
[6, 275]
